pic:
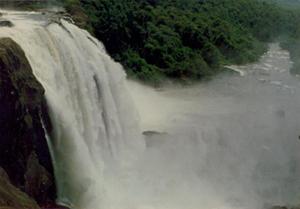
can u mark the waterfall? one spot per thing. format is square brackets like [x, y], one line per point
[229, 143]
[94, 123]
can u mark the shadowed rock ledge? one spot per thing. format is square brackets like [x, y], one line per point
[13, 198]
[24, 153]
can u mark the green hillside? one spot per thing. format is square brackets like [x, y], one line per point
[182, 39]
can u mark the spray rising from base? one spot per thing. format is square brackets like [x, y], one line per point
[231, 143]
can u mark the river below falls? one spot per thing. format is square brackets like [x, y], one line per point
[232, 142]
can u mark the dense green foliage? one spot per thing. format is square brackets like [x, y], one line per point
[182, 39]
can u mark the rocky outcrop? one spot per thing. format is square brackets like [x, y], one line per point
[13, 198]
[24, 153]
[37, 179]
[5, 23]
[78, 15]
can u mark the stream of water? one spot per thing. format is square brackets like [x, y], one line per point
[232, 142]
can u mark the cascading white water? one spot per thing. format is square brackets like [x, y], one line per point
[94, 123]
[231, 143]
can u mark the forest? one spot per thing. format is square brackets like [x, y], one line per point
[186, 40]
[75, 133]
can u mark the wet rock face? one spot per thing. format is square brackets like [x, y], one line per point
[78, 15]
[24, 153]
[37, 179]
[13, 198]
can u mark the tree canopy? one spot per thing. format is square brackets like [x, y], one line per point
[182, 39]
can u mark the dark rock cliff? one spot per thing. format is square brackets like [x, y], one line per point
[24, 153]
[13, 198]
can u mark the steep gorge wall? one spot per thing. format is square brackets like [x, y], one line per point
[24, 153]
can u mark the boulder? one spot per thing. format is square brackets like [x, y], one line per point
[5, 23]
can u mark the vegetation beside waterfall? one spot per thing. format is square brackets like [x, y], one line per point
[182, 39]
[154, 39]
[186, 39]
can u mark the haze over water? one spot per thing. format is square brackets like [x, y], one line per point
[228, 143]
